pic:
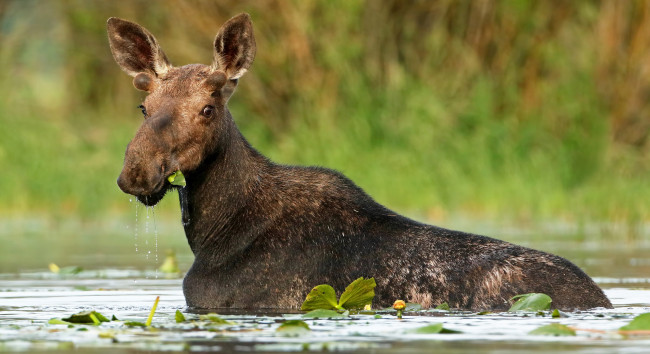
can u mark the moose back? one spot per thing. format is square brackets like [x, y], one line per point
[263, 234]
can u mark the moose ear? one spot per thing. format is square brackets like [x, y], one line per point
[234, 47]
[135, 49]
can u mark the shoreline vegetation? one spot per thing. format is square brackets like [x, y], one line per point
[512, 111]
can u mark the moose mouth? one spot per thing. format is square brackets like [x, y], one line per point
[154, 198]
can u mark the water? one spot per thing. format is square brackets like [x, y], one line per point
[30, 296]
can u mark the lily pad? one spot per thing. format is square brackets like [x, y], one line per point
[320, 297]
[134, 324]
[412, 307]
[638, 323]
[553, 329]
[358, 294]
[215, 319]
[531, 302]
[179, 317]
[177, 179]
[433, 329]
[443, 307]
[556, 314]
[320, 313]
[86, 317]
[293, 328]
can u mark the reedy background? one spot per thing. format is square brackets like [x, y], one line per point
[508, 110]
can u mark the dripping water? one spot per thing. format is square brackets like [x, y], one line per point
[146, 232]
[135, 230]
[155, 235]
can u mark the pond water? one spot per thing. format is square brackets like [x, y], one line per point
[118, 281]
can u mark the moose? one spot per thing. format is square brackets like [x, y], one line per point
[263, 234]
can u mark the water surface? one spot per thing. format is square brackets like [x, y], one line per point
[119, 281]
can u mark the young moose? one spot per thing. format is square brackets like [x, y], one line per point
[264, 234]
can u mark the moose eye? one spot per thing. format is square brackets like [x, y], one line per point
[144, 110]
[207, 111]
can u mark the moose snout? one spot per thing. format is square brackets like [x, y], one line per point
[140, 179]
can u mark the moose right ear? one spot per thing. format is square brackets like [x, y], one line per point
[135, 49]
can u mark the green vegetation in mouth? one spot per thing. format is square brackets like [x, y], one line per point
[177, 179]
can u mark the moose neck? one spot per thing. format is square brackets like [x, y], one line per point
[217, 192]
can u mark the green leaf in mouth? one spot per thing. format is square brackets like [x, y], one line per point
[177, 179]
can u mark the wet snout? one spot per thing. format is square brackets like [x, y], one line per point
[144, 169]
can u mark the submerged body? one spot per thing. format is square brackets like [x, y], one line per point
[264, 234]
[297, 227]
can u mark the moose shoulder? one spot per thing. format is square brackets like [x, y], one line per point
[263, 234]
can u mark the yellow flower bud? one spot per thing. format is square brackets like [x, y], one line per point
[399, 305]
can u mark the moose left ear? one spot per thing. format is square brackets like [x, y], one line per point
[234, 47]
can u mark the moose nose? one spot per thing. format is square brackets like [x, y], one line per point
[122, 183]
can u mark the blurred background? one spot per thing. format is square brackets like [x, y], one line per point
[532, 114]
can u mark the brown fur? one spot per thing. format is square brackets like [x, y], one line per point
[263, 234]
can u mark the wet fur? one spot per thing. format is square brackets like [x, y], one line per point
[264, 234]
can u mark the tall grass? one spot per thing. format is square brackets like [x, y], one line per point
[518, 109]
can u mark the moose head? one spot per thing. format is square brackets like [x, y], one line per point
[185, 115]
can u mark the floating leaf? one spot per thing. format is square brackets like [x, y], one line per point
[134, 324]
[179, 317]
[553, 329]
[443, 307]
[556, 313]
[320, 297]
[432, 329]
[321, 313]
[358, 294]
[638, 323]
[293, 328]
[531, 302]
[86, 317]
[214, 318]
[412, 307]
[56, 321]
[113, 318]
[71, 270]
[177, 179]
